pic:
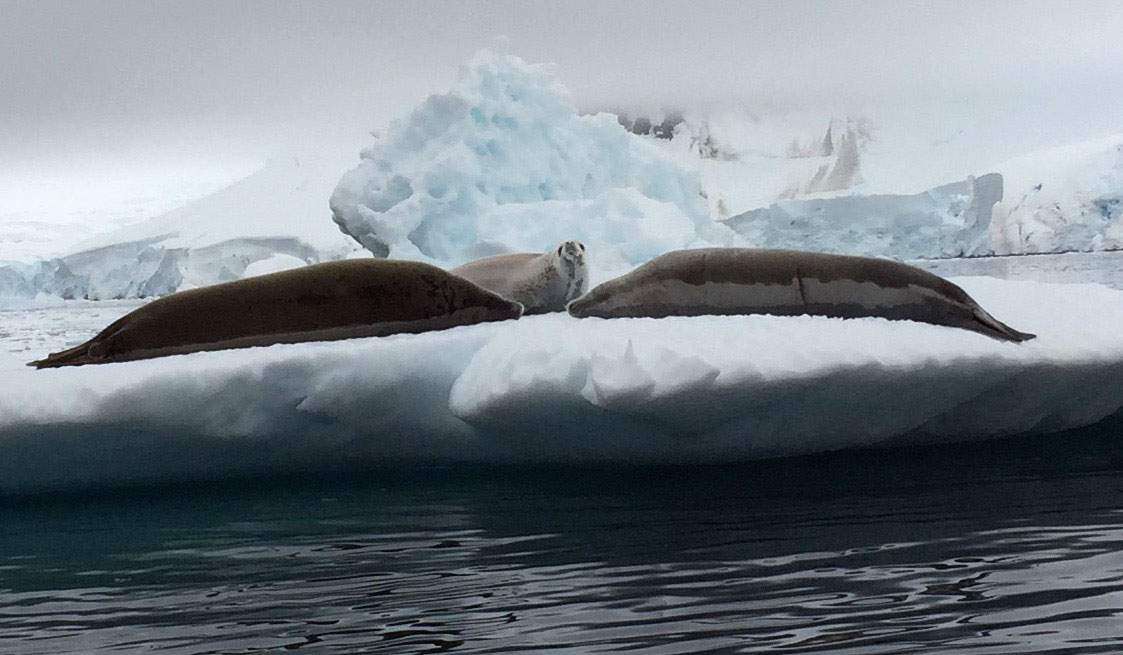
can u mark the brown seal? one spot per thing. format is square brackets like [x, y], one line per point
[541, 282]
[786, 283]
[322, 302]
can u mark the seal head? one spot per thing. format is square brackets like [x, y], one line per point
[541, 282]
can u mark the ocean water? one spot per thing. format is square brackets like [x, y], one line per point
[1004, 547]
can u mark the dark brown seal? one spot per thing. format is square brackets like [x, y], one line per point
[786, 283]
[323, 302]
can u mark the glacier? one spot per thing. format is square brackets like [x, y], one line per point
[278, 211]
[554, 389]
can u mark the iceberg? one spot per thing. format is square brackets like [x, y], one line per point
[504, 163]
[1062, 199]
[952, 220]
[552, 389]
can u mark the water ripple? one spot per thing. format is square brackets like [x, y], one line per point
[784, 557]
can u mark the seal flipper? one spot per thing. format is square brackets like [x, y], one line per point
[89, 352]
[76, 356]
[999, 330]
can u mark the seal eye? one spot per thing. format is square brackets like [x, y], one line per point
[560, 250]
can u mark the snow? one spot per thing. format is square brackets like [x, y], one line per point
[274, 264]
[557, 389]
[49, 207]
[1065, 198]
[286, 199]
[278, 211]
[503, 163]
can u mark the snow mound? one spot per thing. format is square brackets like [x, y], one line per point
[557, 389]
[503, 162]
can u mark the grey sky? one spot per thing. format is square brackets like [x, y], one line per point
[216, 76]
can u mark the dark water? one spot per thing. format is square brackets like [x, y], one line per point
[998, 548]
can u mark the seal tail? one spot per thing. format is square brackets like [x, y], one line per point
[993, 327]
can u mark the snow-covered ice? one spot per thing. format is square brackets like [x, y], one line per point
[557, 389]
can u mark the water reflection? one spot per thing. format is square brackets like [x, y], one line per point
[986, 548]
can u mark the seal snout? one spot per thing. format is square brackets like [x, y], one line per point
[587, 304]
[573, 251]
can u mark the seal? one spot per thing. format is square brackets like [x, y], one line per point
[322, 302]
[541, 282]
[787, 283]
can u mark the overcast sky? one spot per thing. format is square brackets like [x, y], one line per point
[87, 79]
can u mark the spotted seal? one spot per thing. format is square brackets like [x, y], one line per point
[541, 282]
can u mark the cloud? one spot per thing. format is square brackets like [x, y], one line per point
[252, 74]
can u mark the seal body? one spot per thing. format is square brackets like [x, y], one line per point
[541, 282]
[786, 283]
[322, 302]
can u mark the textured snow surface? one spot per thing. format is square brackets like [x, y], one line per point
[503, 163]
[557, 389]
